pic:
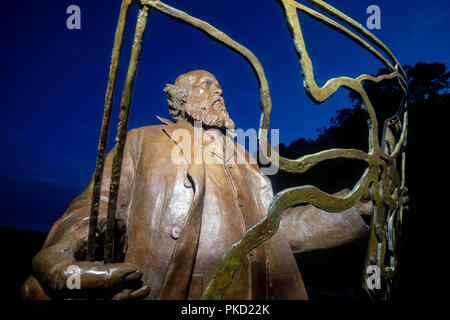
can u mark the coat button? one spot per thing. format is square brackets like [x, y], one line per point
[175, 233]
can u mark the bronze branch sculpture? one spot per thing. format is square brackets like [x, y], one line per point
[384, 176]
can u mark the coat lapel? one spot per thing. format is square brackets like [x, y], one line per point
[176, 281]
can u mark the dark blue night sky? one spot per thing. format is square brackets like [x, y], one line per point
[53, 80]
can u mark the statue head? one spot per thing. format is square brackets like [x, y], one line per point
[197, 96]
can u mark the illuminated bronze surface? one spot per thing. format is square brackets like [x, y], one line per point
[384, 177]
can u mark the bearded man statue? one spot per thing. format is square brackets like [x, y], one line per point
[177, 217]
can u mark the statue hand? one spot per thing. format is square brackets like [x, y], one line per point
[365, 204]
[63, 277]
[405, 199]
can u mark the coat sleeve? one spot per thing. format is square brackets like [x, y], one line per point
[309, 228]
[74, 223]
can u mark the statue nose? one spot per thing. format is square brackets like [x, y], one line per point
[218, 91]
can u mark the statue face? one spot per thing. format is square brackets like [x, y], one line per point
[204, 101]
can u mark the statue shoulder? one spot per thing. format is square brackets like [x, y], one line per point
[155, 137]
[147, 130]
[148, 134]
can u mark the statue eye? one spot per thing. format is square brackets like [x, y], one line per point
[207, 84]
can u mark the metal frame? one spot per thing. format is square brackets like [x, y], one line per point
[385, 173]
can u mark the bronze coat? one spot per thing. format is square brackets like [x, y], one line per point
[162, 203]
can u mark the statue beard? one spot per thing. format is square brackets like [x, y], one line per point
[212, 116]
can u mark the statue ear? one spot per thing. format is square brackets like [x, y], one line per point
[176, 95]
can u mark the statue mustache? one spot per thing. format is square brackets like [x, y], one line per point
[216, 115]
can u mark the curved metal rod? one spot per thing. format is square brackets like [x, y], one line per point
[319, 94]
[356, 26]
[341, 29]
[103, 140]
[125, 104]
[308, 161]
[219, 36]
[265, 228]
[269, 225]
[291, 165]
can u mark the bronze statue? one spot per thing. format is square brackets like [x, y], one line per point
[176, 220]
[210, 230]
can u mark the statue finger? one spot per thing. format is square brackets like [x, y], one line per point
[123, 295]
[130, 294]
[140, 293]
[405, 199]
[98, 276]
